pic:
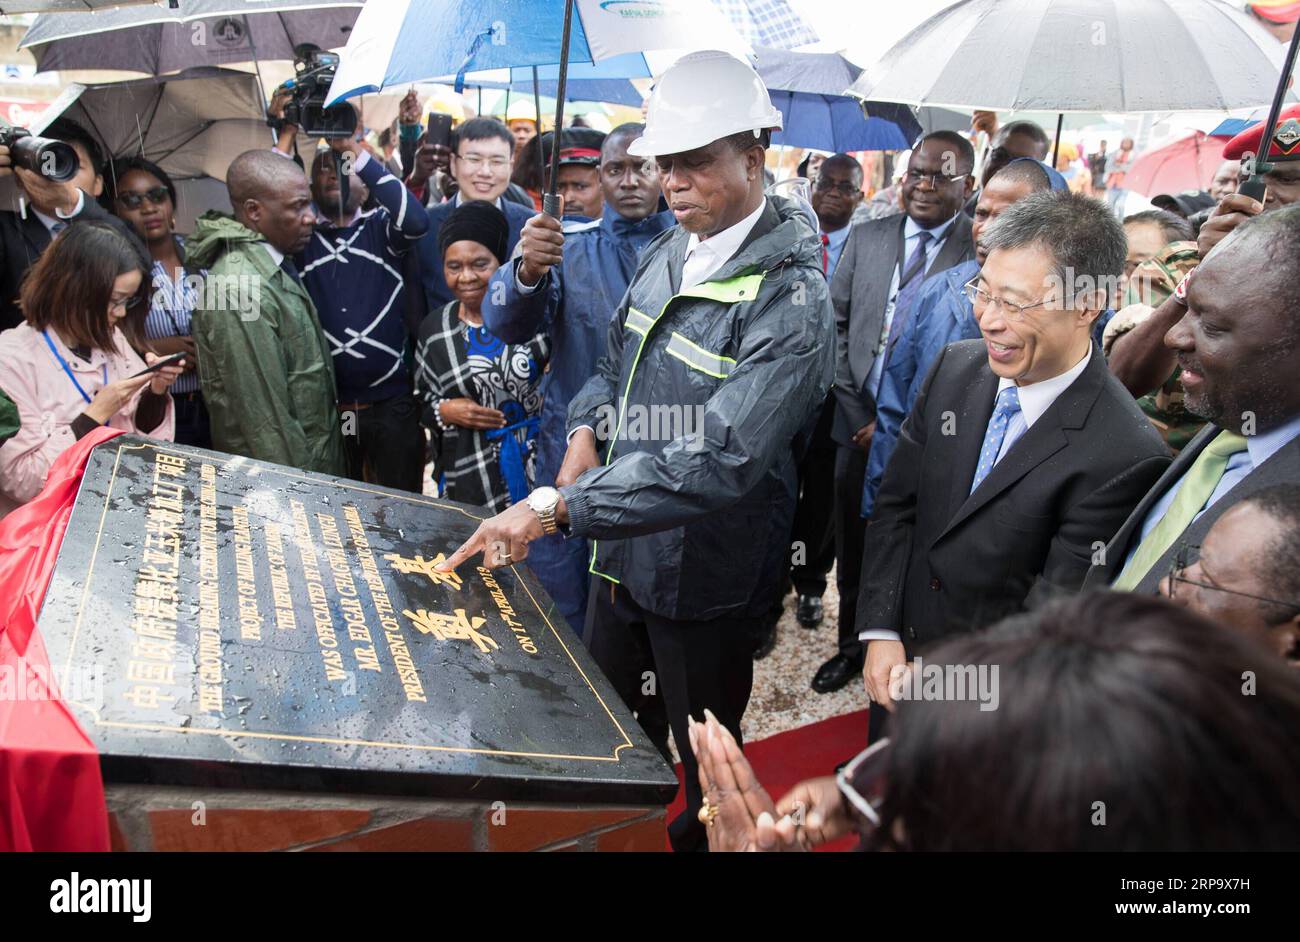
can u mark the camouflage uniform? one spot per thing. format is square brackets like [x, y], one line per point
[1153, 283]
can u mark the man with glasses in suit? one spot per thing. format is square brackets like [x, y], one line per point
[1022, 454]
[879, 275]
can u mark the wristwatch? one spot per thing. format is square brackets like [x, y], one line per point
[544, 500]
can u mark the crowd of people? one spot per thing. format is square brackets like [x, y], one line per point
[1022, 430]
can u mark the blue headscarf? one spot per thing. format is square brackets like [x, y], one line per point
[1054, 176]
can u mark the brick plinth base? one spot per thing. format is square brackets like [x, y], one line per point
[143, 817]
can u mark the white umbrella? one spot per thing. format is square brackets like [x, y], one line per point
[158, 39]
[1081, 56]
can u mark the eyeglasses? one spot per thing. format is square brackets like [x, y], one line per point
[158, 195]
[936, 179]
[844, 187]
[862, 781]
[124, 303]
[1186, 555]
[978, 297]
[474, 163]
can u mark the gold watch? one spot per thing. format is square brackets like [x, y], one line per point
[544, 500]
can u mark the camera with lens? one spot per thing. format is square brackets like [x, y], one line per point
[52, 159]
[313, 72]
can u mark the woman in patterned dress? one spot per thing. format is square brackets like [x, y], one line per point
[481, 396]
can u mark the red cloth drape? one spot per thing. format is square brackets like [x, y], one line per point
[51, 791]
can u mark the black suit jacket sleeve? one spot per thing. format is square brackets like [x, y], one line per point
[1088, 525]
[893, 522]
[848, 397]
[91, 211]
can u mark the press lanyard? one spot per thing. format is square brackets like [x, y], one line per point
[67, 369]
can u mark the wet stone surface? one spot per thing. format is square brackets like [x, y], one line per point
[220, 621]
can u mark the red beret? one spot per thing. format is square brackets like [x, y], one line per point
[1286, 142]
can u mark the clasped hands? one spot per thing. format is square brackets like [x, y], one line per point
[746, 818]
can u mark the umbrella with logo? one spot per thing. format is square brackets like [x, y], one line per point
[158, 39]
[390, 45]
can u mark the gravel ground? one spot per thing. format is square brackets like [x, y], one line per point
[783, 697]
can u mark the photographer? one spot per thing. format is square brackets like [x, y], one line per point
[45, 208]
[352, 268]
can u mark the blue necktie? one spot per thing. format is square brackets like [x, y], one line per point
[58, 227]
[908, 292]
[1008, 405]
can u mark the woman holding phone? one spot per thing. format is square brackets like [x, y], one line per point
[71, 366]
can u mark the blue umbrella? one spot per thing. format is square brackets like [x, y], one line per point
[838, 124]
[606, 80]
[407, 41]
[400, 42]
[809, 89]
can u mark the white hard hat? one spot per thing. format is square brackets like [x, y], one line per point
[521, 109]
[703, 97]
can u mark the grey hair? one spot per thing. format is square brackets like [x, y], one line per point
[1085, 239]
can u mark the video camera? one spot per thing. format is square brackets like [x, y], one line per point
[52, 159]
[314, 71]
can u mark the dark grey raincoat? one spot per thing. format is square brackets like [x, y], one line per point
[698, 403]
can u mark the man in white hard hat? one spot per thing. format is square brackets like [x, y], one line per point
[683, 446]
[521, 119]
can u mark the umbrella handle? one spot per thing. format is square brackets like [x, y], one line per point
[550, 202]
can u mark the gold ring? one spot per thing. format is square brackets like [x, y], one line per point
[708, 811]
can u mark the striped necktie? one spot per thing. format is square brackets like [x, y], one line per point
[1198, 484]
[1008, 405]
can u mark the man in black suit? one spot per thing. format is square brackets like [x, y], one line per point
[880, 272]
[1022, 454]
[46, 208]
[1238, 345]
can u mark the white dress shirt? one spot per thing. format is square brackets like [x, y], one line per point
[1035, 400]
[49, 222]
[705, 256]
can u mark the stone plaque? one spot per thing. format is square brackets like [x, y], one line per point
[249, 625]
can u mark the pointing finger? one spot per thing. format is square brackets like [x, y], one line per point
[467, 549]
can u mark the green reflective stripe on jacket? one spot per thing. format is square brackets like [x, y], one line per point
[639, 322]
[728, 291]
[697, 358]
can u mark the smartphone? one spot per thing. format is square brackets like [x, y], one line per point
[439, 132]
[159, 364]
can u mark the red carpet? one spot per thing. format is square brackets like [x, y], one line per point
[784, 760]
